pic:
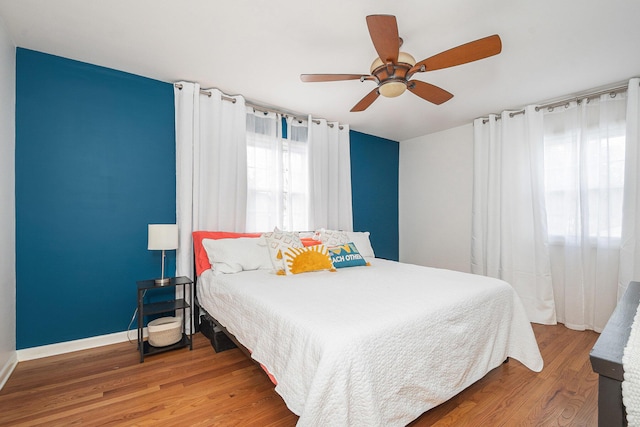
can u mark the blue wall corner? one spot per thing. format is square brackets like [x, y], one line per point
[95, 163]
[374, 181]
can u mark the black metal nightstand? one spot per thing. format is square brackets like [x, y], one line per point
[172, 305]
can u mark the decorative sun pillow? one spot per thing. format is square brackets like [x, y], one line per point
[306, 259]
[346, 255]
[278, 242]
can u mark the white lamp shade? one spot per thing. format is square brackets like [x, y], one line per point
[163, 236]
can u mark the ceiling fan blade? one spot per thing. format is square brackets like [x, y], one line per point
[366, 101]
[468, 52]
[330, 77]
[429, 92]
[384, 35]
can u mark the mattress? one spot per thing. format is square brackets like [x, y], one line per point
[374, 345]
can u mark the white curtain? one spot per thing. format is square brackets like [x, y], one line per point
[265, 183]
[630, 239]
[296, 161]
[584, 158]
[329, 176]
[509, 223]
[211, 168]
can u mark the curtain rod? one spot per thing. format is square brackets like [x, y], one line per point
[261, 108]
[612, 91]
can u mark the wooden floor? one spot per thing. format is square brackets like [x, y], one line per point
[108, 386]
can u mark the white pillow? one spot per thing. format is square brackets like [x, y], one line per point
[235, 255]
[306, 234]
[331, 237]
[336, 238]
[362, 242]
[277, 242]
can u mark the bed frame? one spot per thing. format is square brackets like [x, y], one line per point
[220, 338]
[606, 359]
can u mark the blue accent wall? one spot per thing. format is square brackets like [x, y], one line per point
[95, 163]
[374, 182]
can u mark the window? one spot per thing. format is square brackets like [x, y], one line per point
[584, 169]
[277, 173]
[296, 177]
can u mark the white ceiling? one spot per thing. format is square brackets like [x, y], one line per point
[551, 49]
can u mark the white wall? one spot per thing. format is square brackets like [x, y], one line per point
[7, 205]
[436, 188]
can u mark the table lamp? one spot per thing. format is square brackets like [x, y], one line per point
[162, 237]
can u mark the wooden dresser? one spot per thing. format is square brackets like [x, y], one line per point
[606, 359]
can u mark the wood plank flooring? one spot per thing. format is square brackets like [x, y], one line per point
[107, 386]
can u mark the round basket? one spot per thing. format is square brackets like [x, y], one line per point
[164, 331]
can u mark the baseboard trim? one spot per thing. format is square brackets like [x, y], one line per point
[8, 368]
[76, 345]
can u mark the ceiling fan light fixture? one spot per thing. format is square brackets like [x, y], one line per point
[403, 57]
[406, 58]
[376, 63]
[391, 89]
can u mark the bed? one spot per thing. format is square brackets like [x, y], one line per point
[371, 345]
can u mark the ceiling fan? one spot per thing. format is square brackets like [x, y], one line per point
[393, 69]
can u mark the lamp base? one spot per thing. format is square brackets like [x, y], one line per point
[162, 282]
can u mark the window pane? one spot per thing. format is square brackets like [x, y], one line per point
[584, 172]
[277, 170]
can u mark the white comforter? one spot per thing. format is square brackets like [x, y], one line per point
[371, 346]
